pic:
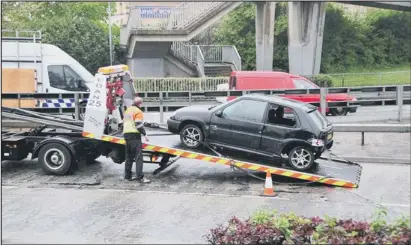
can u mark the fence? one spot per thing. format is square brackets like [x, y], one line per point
[369, 79]
[211, 83]
[172, 100]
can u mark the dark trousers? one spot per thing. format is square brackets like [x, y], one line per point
[134, 150]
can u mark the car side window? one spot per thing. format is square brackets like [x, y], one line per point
[63, 77]
[281, 116]
[303, 84]
[247, 110]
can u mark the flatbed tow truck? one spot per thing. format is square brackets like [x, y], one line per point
[61, 143]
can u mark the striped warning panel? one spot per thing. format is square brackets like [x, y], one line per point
[240, 164]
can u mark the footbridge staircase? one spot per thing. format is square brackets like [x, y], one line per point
[158, 45]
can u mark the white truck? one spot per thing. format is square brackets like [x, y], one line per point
[55, 70]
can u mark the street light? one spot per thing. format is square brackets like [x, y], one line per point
[109, 33]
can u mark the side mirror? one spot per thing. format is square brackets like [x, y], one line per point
[219, 113]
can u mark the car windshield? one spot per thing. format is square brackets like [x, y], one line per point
[318, 118]
[303, 84]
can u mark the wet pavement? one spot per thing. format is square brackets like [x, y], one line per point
[95, 205]
[180, 206]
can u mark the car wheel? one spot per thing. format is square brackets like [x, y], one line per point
[194, 132]
[301, 158]
[340, 111]
[55, 159]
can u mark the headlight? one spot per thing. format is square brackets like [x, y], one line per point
[316, 142]
[173, 115]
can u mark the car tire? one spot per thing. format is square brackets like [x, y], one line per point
[55, 158]
[339, 111]
[195, 132]
[301, 163]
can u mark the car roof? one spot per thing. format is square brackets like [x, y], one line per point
[282, 101]
[264, 74]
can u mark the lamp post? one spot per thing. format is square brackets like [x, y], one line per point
[109, 33]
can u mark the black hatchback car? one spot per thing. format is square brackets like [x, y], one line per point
[268, 126]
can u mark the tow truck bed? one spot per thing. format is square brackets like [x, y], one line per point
[336, 172]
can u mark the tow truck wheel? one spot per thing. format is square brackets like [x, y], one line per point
[301, 158]
[55, 159]
[194, 132]
[340, 111]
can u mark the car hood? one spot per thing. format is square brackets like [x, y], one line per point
[193, 109]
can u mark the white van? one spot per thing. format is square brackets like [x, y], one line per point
[56, 71]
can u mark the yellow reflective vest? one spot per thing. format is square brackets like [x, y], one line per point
[132, 116]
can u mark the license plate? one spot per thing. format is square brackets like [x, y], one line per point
[330, 136]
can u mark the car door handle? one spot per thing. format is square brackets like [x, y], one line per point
[214, 127]
[261, 129]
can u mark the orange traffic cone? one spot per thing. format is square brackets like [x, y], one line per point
[268, 187]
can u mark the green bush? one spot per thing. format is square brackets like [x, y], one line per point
[272, 228]
[321, 80]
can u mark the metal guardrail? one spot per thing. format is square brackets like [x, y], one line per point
[170, 101]
[372, 128]
[367, 79]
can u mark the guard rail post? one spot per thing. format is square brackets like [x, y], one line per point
[161, 108]
[399, 98]
[60, 109]
[76, 106]
[323, 100]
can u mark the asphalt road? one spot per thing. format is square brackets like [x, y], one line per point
[369, 114]
[95, 205]
[180, 206]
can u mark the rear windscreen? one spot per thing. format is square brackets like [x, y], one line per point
[318, 118]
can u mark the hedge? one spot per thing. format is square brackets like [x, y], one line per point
[272, 228]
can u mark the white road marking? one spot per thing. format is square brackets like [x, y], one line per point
[396, 205]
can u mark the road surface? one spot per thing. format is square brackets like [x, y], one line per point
[95, 205]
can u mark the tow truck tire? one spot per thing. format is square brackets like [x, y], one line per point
[55, 158]
[195, 132]
[339, 111]
[301, 158]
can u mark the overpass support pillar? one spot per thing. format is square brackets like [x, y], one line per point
[305, 36]
[264, 36]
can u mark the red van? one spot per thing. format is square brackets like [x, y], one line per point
[270, 80]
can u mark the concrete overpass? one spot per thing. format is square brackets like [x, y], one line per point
[305, 33]
[163, 47]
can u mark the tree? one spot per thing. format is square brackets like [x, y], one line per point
[80, 29]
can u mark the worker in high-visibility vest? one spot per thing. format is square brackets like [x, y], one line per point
[133, 129]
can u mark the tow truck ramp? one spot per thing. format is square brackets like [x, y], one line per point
[335, 172]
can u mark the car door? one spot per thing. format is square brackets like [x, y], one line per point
[239, 124]
[274, 134]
